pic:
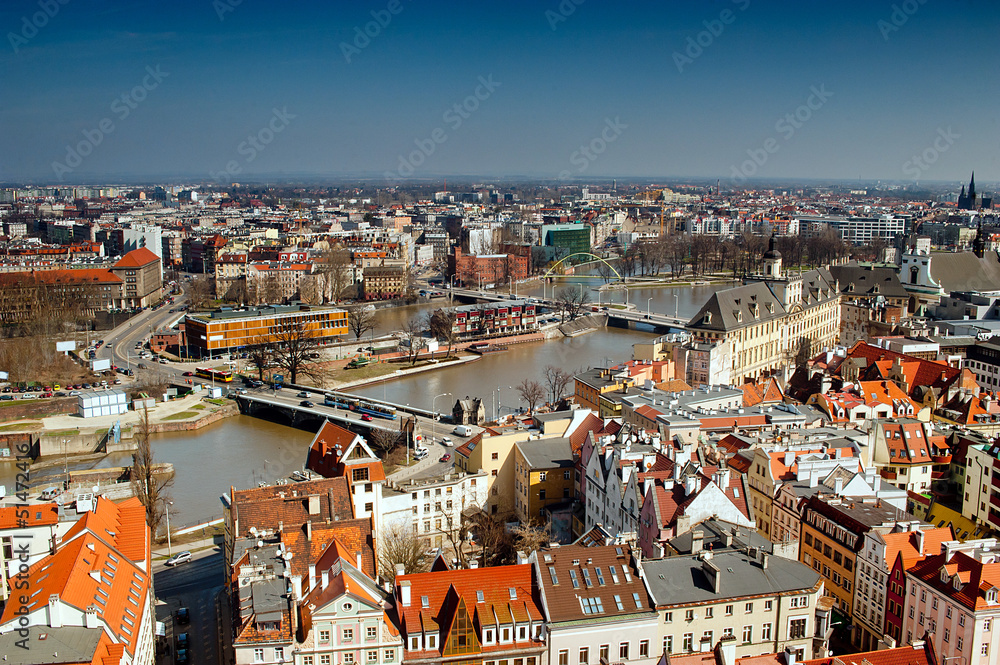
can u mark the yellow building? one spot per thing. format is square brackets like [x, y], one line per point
[226, 330]
[543, 476]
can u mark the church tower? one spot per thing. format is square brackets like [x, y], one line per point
[979, 243]
[772, 261]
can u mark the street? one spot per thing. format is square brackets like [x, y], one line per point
[196, 586]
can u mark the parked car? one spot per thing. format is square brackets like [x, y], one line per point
[29, 396]
[183, 616]
[6, 398]
[445, 458]
[447, 442]
[178, 559]
[183, 658]
[183, 641]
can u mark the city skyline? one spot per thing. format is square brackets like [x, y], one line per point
[401, 92]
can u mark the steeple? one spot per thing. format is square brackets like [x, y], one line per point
[979, 243]
[972, 188]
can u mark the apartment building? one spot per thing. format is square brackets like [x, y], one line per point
[432, 507]
[596, 606]
[495, 318]
[906, 450]
[951, 600]
[765, 603]
[384, 282]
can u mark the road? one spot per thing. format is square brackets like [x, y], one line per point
[196, 586]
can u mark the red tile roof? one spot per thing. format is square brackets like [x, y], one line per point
[908, 655]
[980, 576]
[137, 258]
[45, 514]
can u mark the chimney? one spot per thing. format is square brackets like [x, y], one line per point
[358, 560]
[473, 564]
[677, 470]
[697, 541]
[838, 485]
[690, 485]
[726, 651]
[297, 587]
[647, 484]
[404, 593]
[91, 618]
[713, 574]
[314, 504]
[789, 656]
[400, 569]
[789, 458]
[813, 477]
[919, 534]
[727, 538]
[522, 558]
[764, 556]
[309, 530]
[326, 579]
[312, 576]
[55, 613]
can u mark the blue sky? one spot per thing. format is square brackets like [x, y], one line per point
[595, 89]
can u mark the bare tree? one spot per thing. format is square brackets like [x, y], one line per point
[398, 545]
[383, 441]
[442, 326]
[557, 381]
[149, 487]
[530, 537]
[260, 351]
[295, 344]
[531, 392]
[334, 266]
[361, 319]
[201, 291]
[572, 300]
[415, 342]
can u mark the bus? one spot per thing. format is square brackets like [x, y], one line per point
[360, 406]
[222, 375]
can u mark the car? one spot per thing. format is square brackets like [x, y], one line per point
[188, 374]
[6, 398]
[183, 640]
[445, 458]
[178, 559]
[366, 417]
[447, 442]
[6, 389]
[86, 386]
[56, 387]
[183, 616]
[420, 454]
[47, 389]
[46, 394]
[303, 393]
[118, 382]
[29, 396]
[182, 657]
[78, 386]
[60, 394]
[74, 393]
[306, 402]
[141, 366]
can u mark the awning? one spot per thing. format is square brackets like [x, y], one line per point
[161, 629]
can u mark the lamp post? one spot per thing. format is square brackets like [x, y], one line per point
[167, 504]
[675, 306]
[436, 416]
[648, 301]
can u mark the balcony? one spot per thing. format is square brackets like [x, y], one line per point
[941, 459]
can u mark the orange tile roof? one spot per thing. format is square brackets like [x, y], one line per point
[905, 544]
[137, 258]
[45, 514]
[905, 442]
[123, 525]
[981, 577]
[908, 655]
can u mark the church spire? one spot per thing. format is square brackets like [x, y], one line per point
[972, 188]
[979, 243]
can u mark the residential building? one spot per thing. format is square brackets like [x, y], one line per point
[433, 508]
[544, 475]
[905, 451]
[225, 330]
[141, 273]
[981, 487]
[507, 317]
[765, 603]
[482, 615]
[597, 609]
[98, 581]
[27, 534]
[951, 599]
[275, 281]
[475, 271]
[385, 282]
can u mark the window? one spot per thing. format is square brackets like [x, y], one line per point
[623, 650]
[618, 602]
[432, 641]
[258, 655]
[584, 656]
[279, 654]
[644, 648]
[307, 660]
[947, 635]
[987, 624]
[668, 617]
[324, 660]
[564, 657]
[348, 635]
[415, 643]
[348, 658]
[749, 608]
[985, 650]
[668, 643]
[765, 632]
[371, 656]
[371, 632]
[495, 456]
[389, 655]
[605, 651]
[961, 620]
[747, 634]
[688, 644]
[709, 612]
[958, 643]
[796, 629]
[768, 605]
[689, 615]
[541, 476]
[566, 475]
[729, 610]
[324, 636]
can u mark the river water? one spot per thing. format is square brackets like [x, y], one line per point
[242, 451]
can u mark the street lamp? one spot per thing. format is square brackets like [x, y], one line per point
[436, 415]
[675, 306]
[167, 505]
[648, 301]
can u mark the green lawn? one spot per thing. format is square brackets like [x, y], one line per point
[20, 426]
[183, 415]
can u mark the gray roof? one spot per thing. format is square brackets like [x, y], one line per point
[964, 271]
[680, 580]
[857, 280]
[73, 644]
[269, 599]
[726, 305]
[547, 453]
[714, 536]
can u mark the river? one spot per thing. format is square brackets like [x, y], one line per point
[242, 451]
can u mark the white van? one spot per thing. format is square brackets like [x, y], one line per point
[50, 493]
[462, 430]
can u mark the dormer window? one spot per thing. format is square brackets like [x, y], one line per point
[991, 595]
[488, 636]
[944, 574]
[956, 582]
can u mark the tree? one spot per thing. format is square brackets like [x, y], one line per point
[442, 326]
[531, 392]
[149, 487]
[260, 351]
[557, 381]
[413, 337]
[295, 344]
[334, 269]
[530, 537]
[201, 291]
[491, 533]
[398, 545]
[572, 300]
[383, 441]
[361, 319]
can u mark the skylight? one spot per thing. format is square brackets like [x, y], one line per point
[479, 597]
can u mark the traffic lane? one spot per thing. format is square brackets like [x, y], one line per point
[196, 586]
